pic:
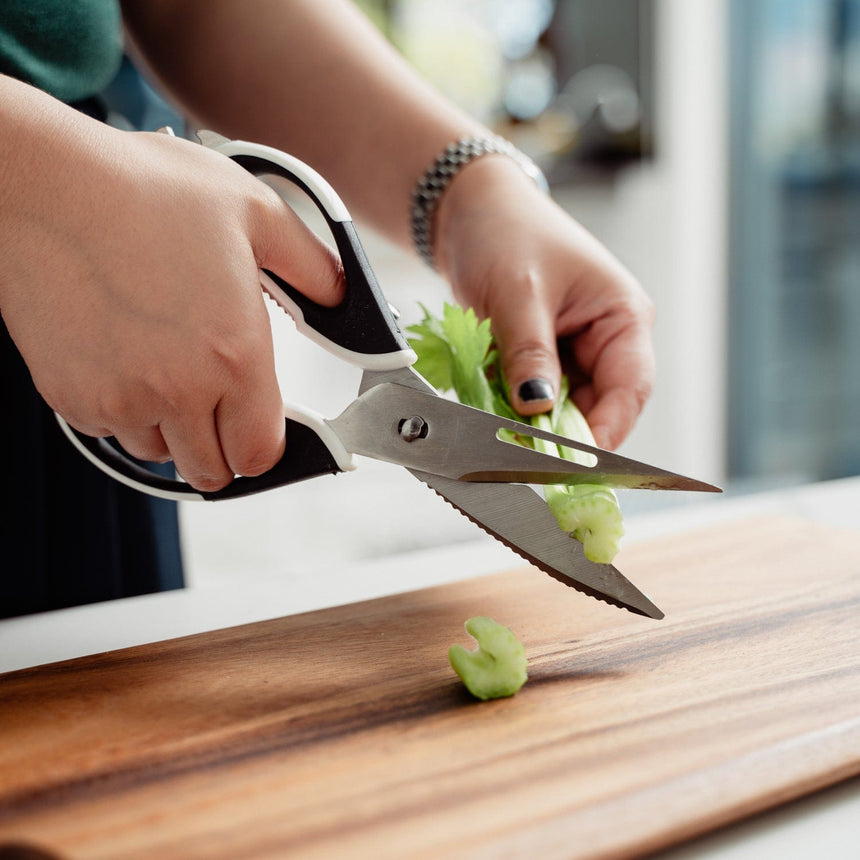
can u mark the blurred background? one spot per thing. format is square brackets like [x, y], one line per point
[714, 147]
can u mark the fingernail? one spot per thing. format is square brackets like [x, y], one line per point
[536, 389]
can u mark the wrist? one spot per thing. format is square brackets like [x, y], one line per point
[486, 188]
[459, 158]
[43, 172]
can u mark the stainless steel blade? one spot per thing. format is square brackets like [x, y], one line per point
[399, 418]
[519, 518]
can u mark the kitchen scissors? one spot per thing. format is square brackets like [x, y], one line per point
[398, 417]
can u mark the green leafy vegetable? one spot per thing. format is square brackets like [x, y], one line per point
[456, 352]
[497, 667]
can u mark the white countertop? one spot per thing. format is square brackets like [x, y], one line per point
[825, 825]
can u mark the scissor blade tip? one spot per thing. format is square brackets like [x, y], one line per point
[703, 487]
[639, 604]
[652, 612]
[690, 485]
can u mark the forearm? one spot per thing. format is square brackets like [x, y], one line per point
[312, 77]
[45, 147]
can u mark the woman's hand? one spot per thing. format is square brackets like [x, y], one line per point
[129, 280]
[512, 254]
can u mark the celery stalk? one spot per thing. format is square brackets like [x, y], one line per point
[588, 512]
[455, 352]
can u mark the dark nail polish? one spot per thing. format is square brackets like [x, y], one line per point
[535, 389]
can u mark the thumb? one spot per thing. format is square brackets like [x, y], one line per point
[525, 334]
[287, 246]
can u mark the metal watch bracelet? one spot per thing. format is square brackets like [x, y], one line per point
[432, 185]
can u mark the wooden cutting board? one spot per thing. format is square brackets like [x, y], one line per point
[343, 733]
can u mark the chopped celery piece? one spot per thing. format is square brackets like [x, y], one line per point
[497, 667]
[455, 352]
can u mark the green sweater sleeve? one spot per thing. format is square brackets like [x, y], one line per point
[68, 48]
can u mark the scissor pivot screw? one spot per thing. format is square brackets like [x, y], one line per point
[413, 428]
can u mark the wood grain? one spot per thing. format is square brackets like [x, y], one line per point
[343, 733]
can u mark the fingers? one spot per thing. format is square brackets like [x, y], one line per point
[250, 423]
[243, 432]
[146, 444]
[240, 438]
[612, 348]
[619, 353]
[525, 334]
[287, 246]
[196, 452]
[226, 418]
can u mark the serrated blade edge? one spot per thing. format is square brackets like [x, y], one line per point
[515, 515]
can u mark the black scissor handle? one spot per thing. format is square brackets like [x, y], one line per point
[312, 450]
[362, 329]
